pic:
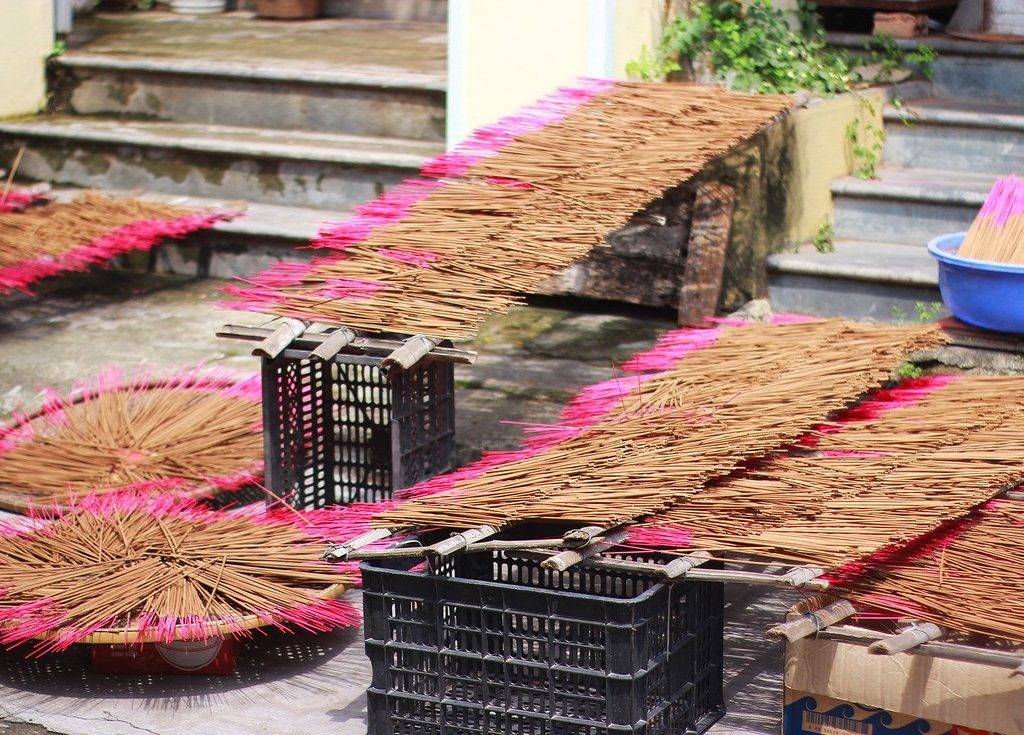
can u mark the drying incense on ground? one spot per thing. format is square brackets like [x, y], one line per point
[197, 432]
[45, 240]
[965, 576]
[128, 569]
[924, 460]
[754, 391]
[537, 192]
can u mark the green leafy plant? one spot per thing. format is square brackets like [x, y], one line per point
[824, 240]
[652, 66]
[752, 47]
[60, 47]
[924, 312]
[909, 370]
[888, 58]
[866, 139]
[928, 311]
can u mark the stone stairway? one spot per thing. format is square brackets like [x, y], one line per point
[942, 153]
[296, 122]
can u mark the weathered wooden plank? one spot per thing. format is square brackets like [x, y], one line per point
[705, 256]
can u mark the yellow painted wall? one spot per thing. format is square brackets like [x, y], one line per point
[26, 39]
[638, 23]
[502, 55]
[820, 153]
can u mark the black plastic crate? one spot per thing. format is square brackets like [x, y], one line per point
[496, 644]
[343, 431]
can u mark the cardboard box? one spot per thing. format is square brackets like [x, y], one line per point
[886, 695]
[214, 657]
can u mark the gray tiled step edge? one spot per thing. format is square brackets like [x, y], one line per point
[860, 280]
[944, 45]
[861, 261]
[380, 78]
[924, 185]
[955, 116]
[230, 140]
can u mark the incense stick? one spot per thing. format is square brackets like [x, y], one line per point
[997, 233]
[438, 257]
[162, 569]
[57, 237]
[754, 391]
[196, 431]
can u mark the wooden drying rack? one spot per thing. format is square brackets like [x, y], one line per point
[297, 340]
[585, 546]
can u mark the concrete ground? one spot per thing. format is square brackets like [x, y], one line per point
[327, 44]
[530, 362]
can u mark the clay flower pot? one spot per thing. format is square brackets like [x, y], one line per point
[199, 7]
[288, 9]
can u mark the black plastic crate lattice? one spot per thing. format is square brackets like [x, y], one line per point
[342, 431]
[496, 644]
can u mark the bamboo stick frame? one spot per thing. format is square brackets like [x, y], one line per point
[375, 349]
[858, 636]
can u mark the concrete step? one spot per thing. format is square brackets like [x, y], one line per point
[264, 234]
[908, 206]
[327, 170]
[963, 69]
[963, 135]
[858, 280]
[294, 95]
[434, 11]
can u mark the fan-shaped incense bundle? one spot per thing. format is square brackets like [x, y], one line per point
[539, 190]
[87, 231]
[129, 569]
[997, 233]
[196, 432]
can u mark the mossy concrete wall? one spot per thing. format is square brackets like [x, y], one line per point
[813, 152]
[26, 39]
[783, 178]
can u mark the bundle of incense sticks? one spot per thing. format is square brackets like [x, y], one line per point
[964, 576]
[535, 192]
[58, 237]
[123, 568]
[16, 200]
[872, 484]
[997, 233]
[754, 391]
[197, 431]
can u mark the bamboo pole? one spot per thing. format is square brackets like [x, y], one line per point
[906, 639]
[335, 342]
[342, 552]
[936, 649]
[813, 622]
[371, 345]
[565, 559]
[280, 338]
[411, 352]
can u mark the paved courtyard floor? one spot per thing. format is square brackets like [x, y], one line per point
[530, 362]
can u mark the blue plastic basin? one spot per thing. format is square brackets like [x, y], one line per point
[987, 295]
